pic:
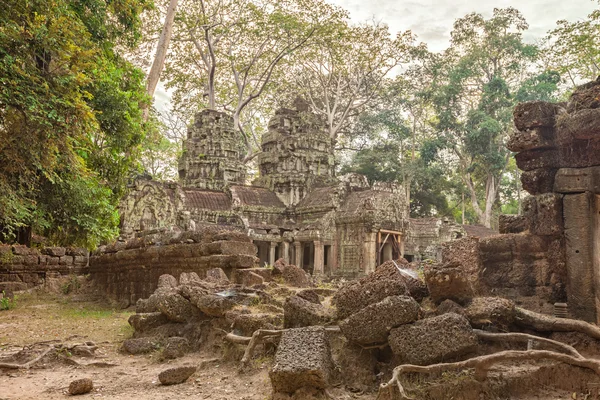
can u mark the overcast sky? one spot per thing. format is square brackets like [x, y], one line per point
[432, 20]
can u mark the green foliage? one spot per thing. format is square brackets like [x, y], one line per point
[69, 116]
[7, 303]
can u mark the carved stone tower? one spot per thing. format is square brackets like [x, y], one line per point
[211, 153]
[297, 154]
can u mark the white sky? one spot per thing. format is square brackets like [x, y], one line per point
[432, 20]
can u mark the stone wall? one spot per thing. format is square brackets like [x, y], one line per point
[23, 267]
[128, 271]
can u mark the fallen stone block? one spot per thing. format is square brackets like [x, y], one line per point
[433, 340]
[485, 311]
[144, 322]
[303, 359]
[247, 324]
[176, 375]
[217, 275]
[81, 386]
[214, 304]
[166, 281]
[384, 282]
[298, 312]
[448, 281]
[176, 308]
[309, 295]
[373, 323]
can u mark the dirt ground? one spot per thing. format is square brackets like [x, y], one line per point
[43, 318]
[71, 319]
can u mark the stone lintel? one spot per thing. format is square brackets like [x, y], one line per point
[577, 180]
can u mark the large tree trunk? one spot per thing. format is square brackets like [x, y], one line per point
[161, 51]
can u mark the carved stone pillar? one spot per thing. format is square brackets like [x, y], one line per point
[298, 254]
[272, 253]
[319, 267]
[285, 247]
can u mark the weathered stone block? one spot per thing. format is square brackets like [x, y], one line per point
[432, 340]
[373, 323]
[247, 324]
[448, 281]
[548, 217]
[512, 223]
[213, 304]
[175, 347]
[216, 275]
[66, 260]
[578, 213]
[495, 310]
[577, 180]
[535, 114]
[144, 322]
[538, 181]
[176, 308]
[54, 251]
[583, 124]
[303, 358]
[535, 138]
[298, 312]
[538, 158]
[580, 153]
[355, 296]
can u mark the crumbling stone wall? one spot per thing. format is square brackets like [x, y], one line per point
[558, 149]
[24, 267]
[128, 271]
[551, 253]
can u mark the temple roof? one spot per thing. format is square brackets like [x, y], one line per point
[318, 197]
[256, 196]
[207, 199]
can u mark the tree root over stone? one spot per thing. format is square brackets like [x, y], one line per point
[258, 337]
[482, 364]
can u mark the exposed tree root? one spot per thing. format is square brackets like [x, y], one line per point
[84, 350]
[482, 365]
[524, 338]
[28, 364]
[546, 323]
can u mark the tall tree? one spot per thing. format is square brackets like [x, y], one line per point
[573, 49]
[227, 52]
[51, 111]
[345, 71]
[160, 55]
[473, 93]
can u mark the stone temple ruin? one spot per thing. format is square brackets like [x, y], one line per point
[487, 300]
[296, 209]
